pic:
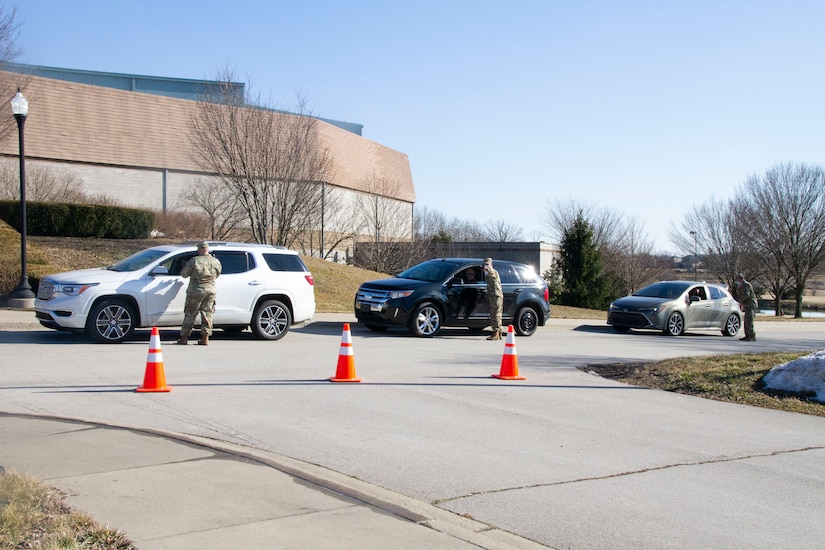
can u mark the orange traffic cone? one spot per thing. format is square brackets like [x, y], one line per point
[509, 361]
[346, 359]
[154, 380]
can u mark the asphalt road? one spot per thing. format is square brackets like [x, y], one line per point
[564, 457]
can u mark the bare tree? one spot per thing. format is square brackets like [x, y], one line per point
[561, 215]
[788, 201]
[43, 183]
[272, 161]
[630, 257]
[338, 221]
[719, 240]
[502, 231]
[388, 222]
[9, 31]
[216, 201]
[431, 225]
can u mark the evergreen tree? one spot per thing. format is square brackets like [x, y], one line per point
[581, 265]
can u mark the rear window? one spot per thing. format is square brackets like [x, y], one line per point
[716, 293]
[527, 274]
[284, 262]
[234, 262]
[507, 273]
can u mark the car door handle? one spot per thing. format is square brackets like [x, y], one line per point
[254, 283]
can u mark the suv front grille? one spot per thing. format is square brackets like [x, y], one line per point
[45, 291]
[372, 297]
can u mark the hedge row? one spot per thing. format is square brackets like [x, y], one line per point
[79, 220]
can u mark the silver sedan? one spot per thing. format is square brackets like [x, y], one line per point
[676, 306]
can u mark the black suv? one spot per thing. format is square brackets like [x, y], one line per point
[452, 292]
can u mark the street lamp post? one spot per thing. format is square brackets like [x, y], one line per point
[693, 234]
[22, 295]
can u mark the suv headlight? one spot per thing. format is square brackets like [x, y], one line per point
[397, 294]
[74, 289]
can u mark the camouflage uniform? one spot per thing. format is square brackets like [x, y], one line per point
[202, 271]
[495, 298]
[749, 304]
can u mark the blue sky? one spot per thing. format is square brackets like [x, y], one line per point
[647, 107]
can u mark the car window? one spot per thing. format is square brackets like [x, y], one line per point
[662, 290]
[527, 274]
[431, 272]
[138, 261]
[698, 291]
[507, 274]
[176, 263]
[716, 293]
[470, 275]
[234, 261]
[284, 262]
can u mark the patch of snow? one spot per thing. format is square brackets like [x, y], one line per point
[806, 374]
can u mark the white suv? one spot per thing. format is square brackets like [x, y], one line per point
[265, 287]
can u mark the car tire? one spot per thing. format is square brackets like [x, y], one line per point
[620, 329]
[111, 322]
[425, 321]
[526, 321]
[732, 325]
[675, 324]
[376, 328]
[271, 320]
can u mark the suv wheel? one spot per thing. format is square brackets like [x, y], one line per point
[527, 321]
[111, 321]
[271, 320]
[425, 321]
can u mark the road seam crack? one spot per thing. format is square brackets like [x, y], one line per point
[623, 474]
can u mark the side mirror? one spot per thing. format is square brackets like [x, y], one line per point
[159, 270]
[455, 281]
[695, 298]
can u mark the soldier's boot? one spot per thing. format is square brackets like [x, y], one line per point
[204, 341]
[496, 335]
[183, 340]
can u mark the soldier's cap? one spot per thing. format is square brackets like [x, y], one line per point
[488, 261]
[203, 244]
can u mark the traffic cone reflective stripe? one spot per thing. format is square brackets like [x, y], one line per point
[509, 361]
[346, 359]
[154, 380]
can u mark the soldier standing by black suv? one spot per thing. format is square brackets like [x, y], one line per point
[428, 296]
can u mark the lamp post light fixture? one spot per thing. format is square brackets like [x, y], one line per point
[22, 296]
[693, 234]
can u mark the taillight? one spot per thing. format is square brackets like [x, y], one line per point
[546, 294]
[309, 279]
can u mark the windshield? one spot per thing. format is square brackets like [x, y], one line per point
[663, 290]
[139, 260]
[432, 271]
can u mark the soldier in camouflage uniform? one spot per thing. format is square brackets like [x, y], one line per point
[202, 271]
[495, 298]
[749, 304]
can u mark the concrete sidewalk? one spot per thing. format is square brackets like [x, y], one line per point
[171, 491]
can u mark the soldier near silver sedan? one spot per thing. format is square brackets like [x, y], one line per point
[202, 271]
[749, 304]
